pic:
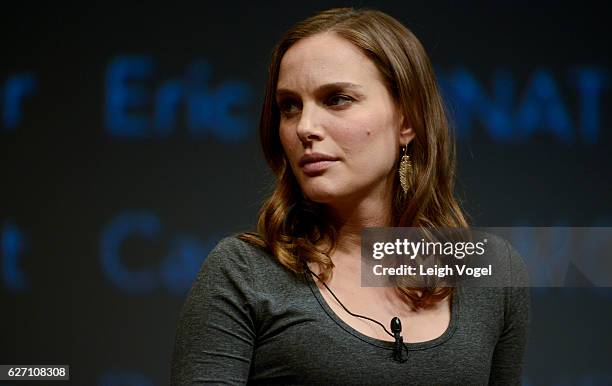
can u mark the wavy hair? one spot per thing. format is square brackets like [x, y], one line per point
[289, 224]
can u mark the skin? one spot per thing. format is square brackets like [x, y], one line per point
[360, 125]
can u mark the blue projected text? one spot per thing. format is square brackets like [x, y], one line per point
[219, 113]
[17, 89]
[12, 246]
[541, 109]
[184, 256]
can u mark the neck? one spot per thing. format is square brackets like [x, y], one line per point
[352, 216]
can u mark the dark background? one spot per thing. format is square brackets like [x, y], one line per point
[104, 225]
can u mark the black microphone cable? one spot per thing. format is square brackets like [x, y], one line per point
[396, 325]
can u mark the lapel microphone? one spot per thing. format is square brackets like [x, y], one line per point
[396, 324]
[396, 329]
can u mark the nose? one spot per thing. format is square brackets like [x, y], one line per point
[309, 125]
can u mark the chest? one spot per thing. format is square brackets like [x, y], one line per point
[307, 345]
[301, 339]
[382, 305]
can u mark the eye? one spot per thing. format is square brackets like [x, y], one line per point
[288, 106]
[339, 100]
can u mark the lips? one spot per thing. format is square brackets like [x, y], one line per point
[315, 157]
[316, 163]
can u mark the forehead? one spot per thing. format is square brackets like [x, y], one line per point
[325, 58]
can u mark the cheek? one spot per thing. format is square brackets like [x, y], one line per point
[286, 142]
[365, 135]
[369, 143]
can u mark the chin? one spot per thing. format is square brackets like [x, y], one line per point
[319, 197]
[320, 194]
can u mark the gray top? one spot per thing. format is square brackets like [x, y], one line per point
[247, 319]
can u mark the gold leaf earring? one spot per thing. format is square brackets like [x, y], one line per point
[405, 170]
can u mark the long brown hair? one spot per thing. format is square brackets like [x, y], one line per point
[289, 224]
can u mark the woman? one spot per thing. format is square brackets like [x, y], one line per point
[351, 101]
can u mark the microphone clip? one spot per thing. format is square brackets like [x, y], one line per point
[396, 329]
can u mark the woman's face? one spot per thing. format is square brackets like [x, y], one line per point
[333, 102]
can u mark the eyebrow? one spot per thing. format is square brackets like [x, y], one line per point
[323, 88]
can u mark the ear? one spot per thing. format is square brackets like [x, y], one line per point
[407, 134]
